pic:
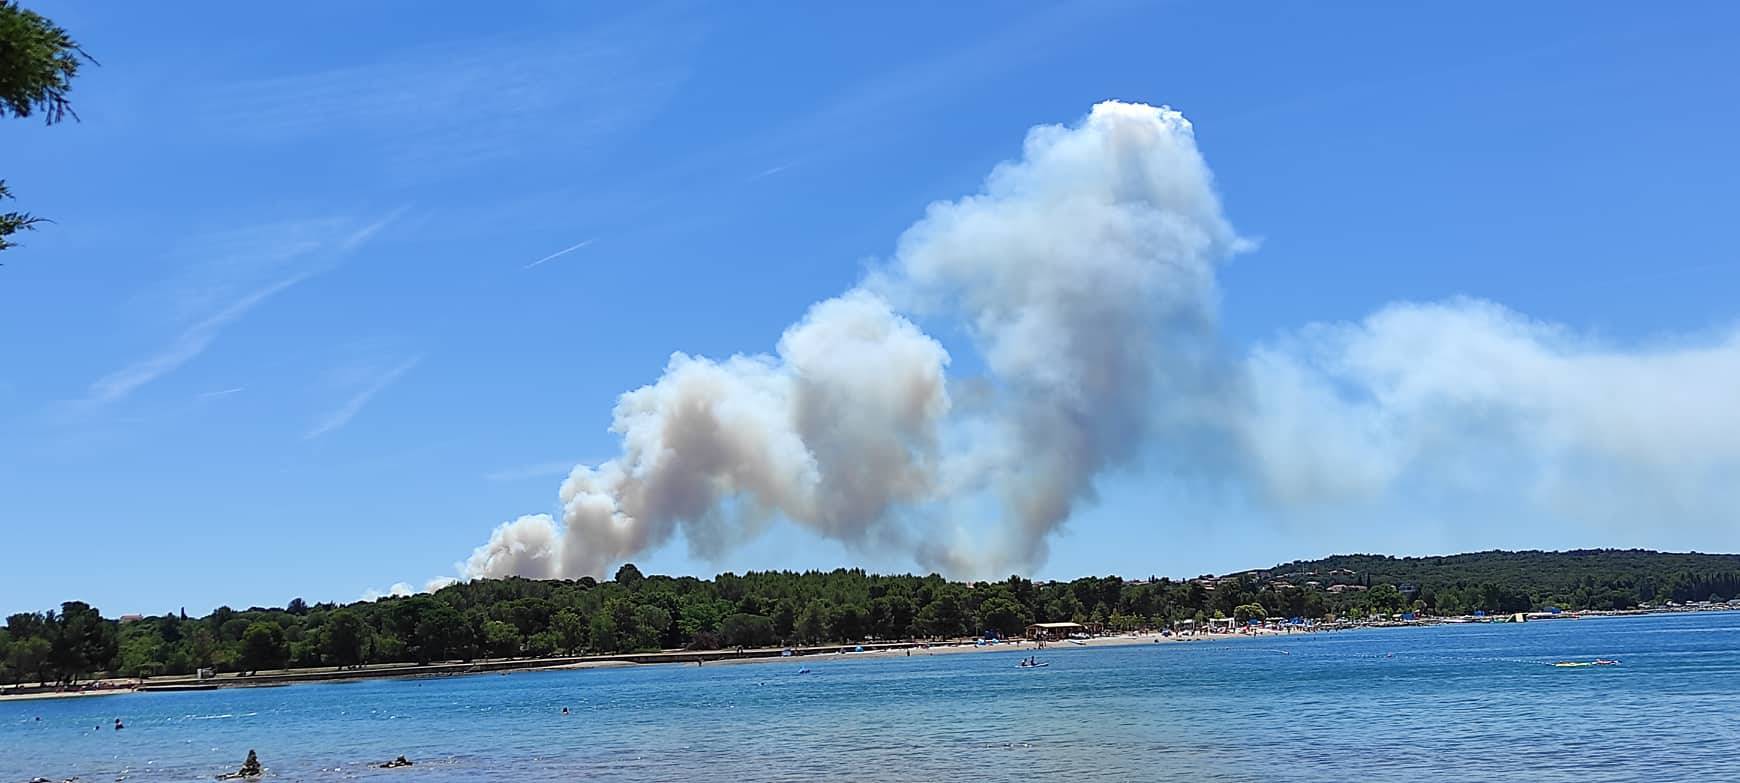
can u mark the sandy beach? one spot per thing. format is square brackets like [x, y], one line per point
[728, 658]
[663, 658]
[955, 648]
[109, 688]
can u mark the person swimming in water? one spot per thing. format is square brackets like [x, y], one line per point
[119, 725]
[250, 769]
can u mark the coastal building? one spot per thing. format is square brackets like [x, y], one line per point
[1054, 630]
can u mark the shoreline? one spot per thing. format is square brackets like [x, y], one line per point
[283, 678]
[286, 678]
[900, 650]
[113, 691]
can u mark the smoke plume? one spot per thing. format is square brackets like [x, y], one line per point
[1083, 275]
[1468, 397]
[1067, 270]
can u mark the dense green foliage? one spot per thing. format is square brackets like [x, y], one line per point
[1518, 581]
[497, 618]
[38, 61]
[57, 646]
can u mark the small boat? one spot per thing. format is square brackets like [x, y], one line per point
[1026, 665]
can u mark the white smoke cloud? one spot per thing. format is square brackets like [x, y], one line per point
[1471, 395]
[1068, 269]
[1084, 276]
[1083, 272]
[397, 590]
[403, 589]
[834, 433]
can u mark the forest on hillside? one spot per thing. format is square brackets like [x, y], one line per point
[1579, 579]
[504, 618]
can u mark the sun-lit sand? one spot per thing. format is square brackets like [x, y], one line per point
[724, 657]
[953, 648]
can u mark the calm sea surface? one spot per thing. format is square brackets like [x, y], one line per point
[1450, 703]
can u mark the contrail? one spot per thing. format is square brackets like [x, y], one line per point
[559, 253]
[769, 172]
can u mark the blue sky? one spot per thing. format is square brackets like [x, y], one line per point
[297, 330]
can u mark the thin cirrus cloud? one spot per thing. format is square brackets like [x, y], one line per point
[342, 415]
[216, 393]
[186, 346]
[460, 104]
[197, 338]
[560, 253]
[768, 172]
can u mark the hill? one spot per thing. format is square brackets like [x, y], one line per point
[1575, 579]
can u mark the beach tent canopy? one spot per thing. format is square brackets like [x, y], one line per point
[1052, 630]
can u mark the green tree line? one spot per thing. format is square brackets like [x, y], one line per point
[1505, 581]
[500, 618]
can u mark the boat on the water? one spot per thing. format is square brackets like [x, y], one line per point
[1585, 664]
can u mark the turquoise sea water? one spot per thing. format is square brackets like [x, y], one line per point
[1448, 703]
